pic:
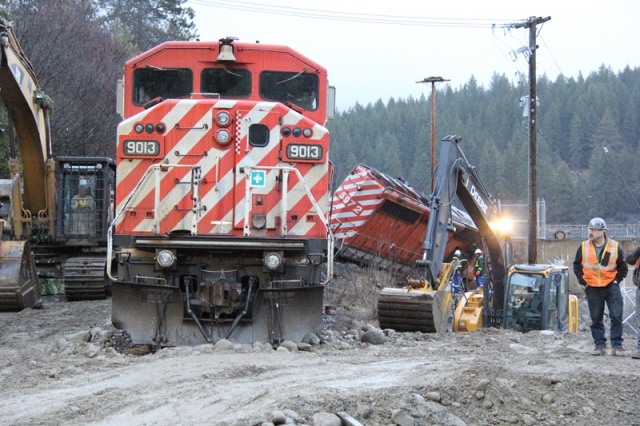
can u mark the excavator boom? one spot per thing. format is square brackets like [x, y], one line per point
[19, 284]
[26, 106]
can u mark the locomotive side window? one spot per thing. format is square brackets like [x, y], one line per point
[300, 89]
[151, 83]
[228, 83]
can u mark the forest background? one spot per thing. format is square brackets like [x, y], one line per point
[78, 49]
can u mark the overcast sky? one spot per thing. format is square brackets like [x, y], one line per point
[368, 61]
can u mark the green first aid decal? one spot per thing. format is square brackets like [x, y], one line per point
[258, 178]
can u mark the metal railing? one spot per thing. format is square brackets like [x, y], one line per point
[580, 232]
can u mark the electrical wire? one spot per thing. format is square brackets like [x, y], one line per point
[352, 16]
[495, 41]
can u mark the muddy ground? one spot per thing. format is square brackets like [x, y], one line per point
[489, 377]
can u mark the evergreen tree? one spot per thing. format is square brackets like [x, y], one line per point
[420, 173]
[150, 22]
[561, 197]
[579, 149]
[491, 168]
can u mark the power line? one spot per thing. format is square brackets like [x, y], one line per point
[351, 16]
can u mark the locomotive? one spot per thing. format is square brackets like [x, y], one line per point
[223, 179]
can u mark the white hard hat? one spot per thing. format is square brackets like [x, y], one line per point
[457, 253]
[478, 251]
[597, 223]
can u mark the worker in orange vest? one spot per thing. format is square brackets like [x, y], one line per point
[600, 266]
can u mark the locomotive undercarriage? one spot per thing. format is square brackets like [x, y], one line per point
[172, 291]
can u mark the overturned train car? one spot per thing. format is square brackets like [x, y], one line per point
[379, 220]
[223, 177]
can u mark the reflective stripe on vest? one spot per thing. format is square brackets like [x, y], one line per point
[478, 266]
[459, 264]
[595, 274]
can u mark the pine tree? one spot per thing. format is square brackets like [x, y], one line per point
[151, 22]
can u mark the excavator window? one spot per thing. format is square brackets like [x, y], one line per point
[84, 197]
[561, 283]
[525, 302]
[552, 307]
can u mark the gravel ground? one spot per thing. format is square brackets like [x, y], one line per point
[63, 364]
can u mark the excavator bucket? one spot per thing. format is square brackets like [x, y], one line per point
[406, 309]
[19, 284]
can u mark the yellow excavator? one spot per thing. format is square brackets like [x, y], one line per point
[537, 298]
[524, 298]
[47, 217]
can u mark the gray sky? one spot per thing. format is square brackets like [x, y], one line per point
[368, 61]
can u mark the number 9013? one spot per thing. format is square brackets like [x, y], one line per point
[304, 152]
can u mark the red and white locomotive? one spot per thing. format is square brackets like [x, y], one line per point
[222, 193]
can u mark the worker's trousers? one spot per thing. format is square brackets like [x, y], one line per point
[597, 297]
[638, 312]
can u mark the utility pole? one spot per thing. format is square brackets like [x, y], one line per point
[433, 81]
[531, 23]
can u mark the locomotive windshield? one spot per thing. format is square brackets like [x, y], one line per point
[300, 89]
[233, 83]
[151, 83]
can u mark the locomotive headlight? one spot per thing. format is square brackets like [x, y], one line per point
[166, 258]
[223, 137]
[139, 128]
[296, 132]
[272, 261]
[149, 128]
[258, 221]
[307, 132]
[223, 119]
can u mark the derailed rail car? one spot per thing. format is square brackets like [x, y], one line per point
[377, 219]
[223, 178]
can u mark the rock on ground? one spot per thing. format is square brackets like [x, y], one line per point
[51, 372]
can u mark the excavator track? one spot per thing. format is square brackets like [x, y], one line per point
[414, 310]
[19, 284]
[85, 278]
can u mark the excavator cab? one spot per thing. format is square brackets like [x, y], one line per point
[85, 210]
[538, 299]
[85, 199]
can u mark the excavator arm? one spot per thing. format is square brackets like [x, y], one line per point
[455, 176]
[424, 305]
[28, 109]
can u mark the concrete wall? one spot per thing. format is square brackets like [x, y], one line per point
[549, 250]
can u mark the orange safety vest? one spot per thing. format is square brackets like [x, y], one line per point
[595, 274]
